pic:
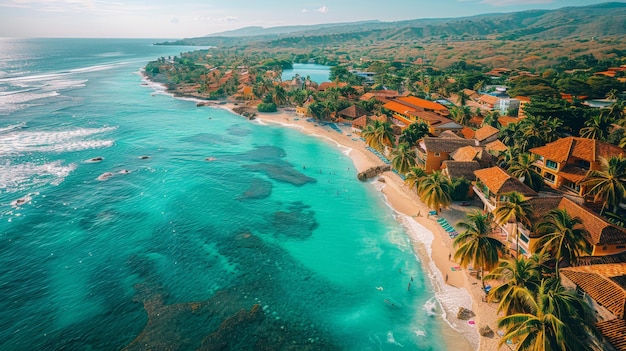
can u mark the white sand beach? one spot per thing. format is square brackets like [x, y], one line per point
[454, 287]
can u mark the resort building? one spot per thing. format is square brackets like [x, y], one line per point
[473, 153]
[409, 109]
[432, 151]
[489, 102]
[507, 104]
[491, 187]
[383, 96]
[486, 134]
[351, 113]
[604, 287]
[563, 164]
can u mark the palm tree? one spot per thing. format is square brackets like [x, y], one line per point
[563, 237]
[519, 278]
[414, 177]
[596, 127]
[522, 169]
[403, 158]
[279, 95]
[461, 114]
[378, 134]
[515, 210]
[462, 97]
[556, 320]
[475, 245]
[413, 133]
[435, 190]
[608, 183]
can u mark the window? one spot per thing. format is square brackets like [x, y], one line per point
[551, 164]
[524, 238]
[437, 154]
[572, 186]
[584, 164]
[549, 177]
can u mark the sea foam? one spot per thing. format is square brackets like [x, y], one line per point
[23, 141]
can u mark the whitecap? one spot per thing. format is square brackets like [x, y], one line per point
[12, 127]
[15, 177]
[392, 340]
[18, 142]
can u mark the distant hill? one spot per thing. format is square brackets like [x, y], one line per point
[284, 30]
[607, 19]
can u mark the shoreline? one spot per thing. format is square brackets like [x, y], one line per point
[430, 243]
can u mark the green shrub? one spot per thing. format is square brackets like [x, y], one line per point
[267, 107]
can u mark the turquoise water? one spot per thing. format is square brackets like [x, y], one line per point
[273, 243]
[317, 73]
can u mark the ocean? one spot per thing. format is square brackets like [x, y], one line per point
[130, 219]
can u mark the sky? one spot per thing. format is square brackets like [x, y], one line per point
[194, 18]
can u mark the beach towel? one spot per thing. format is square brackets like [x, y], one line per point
[457, 268]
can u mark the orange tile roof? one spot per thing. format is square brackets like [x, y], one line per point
[496, 146]
[614, 331]
[421, 103]
[485, 132]
[431, 118]
[397, 107]
[465, 154]
[499, 182]
[604, 283]
[360, 122]
[468, 132]
[506, 120]
[489, 99]
[586, 149]
[600, 231]
[572, 173]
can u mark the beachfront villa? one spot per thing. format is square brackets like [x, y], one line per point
[604, 287]
[431, 151]
[491, 186]
[564, 163]
[410, 109]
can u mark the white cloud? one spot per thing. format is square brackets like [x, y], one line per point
[174, 20]
[230, 19]
[305, 10]
[323, 9]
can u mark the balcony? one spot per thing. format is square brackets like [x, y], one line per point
[490, 205]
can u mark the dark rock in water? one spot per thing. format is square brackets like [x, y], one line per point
[464, 314]
[259, 189]
[298, 222]
[282, 172]
[373, 172]
[105, 176]
[485, 331]
[265, 154]
[239, 131]
[144, 157]
[94, 160]
[208, 139]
